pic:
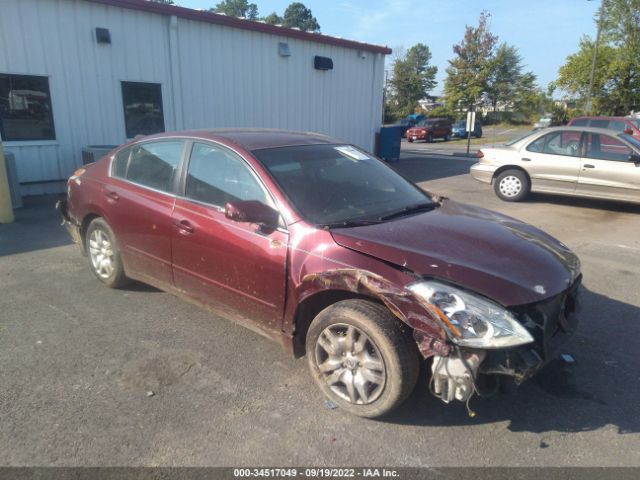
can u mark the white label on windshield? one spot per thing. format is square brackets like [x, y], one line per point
[349, 151]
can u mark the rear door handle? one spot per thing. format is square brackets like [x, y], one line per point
[525, 159]
[185, 227]
[112, 196]
[588, 165]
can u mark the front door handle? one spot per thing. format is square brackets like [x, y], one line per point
[525, 159]
[185, 227]
[112, 196]
[588, 165]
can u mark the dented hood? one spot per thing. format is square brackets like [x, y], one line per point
[502, 258]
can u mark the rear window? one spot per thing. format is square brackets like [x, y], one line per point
[579, 122]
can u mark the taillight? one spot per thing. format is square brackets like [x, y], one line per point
[479, 154]
[79, 172]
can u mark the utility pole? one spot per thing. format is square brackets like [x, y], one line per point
[587, 107]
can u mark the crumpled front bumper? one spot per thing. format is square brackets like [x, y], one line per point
[551, 323]
[72, 227]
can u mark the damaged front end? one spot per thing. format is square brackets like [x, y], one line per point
[541, 329]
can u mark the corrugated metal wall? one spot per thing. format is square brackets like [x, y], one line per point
[211, 76]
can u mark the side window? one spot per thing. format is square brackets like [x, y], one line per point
[580, 122]
[120, 163]
[599, 123]
[604, 147]
[154, 164]
[537, 145]
[217, 176]
[618, 126]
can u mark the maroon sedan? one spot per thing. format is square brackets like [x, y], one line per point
[322, 247]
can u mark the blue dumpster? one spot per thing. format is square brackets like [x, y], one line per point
[389, 142]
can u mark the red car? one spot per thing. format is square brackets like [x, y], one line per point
[430, 129]
[324, 248]
[628, 125]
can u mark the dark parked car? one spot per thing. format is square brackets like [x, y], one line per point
[430, 129]
[459, 129]
[322, 247]
[630, 126]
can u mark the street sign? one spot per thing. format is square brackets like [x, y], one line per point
[471, 121]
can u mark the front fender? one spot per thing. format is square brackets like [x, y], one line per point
[403, 304]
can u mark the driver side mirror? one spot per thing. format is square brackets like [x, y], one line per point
[252, 211]
[635, 158]
[628, 131]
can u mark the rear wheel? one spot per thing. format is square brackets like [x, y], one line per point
[446, 137]
[362, 358]
[104, 256]
[410, 140]
[512, 185]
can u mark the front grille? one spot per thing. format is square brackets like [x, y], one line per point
[552, 321]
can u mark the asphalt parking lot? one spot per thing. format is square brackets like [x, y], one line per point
[78, 360]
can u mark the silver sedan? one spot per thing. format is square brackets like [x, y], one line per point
[577, 161]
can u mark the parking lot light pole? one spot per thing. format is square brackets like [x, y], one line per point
[587, 107]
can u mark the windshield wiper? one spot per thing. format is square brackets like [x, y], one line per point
[350, 223]
[417, 207]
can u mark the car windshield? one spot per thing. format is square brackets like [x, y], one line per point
[635, 122]
[460, 124]
[339, 185]
[424, 123]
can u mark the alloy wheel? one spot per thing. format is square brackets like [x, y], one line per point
[101, 253]
[350, 363]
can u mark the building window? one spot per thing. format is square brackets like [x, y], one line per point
[25, 108]
[143, 113]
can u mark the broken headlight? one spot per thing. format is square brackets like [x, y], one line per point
[471, 320]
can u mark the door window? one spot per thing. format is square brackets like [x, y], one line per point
[557, 143]
[153, 164]
[604, 147]
[217, 176]
[618, 126]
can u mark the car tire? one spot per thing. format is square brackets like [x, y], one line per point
[410, 140]
[446, 137]
[430, 138]
[512, 185]
[362, 358]
[104, 255]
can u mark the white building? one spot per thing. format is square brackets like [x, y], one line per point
[83, 72]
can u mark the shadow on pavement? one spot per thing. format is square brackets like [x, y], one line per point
[423, 168]
[36, 227]
[593, 203]
[601, 388]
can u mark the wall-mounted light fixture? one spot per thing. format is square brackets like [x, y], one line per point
[283, 49]
[322, 63]
[103, 36]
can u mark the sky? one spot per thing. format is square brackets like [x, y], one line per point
[544, 31]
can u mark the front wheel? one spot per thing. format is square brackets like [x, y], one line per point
[104, 255]
[512, 185]
[430, 138]
[362, 358]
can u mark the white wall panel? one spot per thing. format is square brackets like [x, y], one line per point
[226, 77]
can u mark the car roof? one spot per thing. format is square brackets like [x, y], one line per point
[605, 131]
[253, 138]
[600, 117]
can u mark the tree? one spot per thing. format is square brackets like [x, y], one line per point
[273, 19]
[413, 77]
[298, 16]
[616, 85]
[468, 72]
[237, 8]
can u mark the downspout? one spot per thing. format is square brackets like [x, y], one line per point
[174, 67]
